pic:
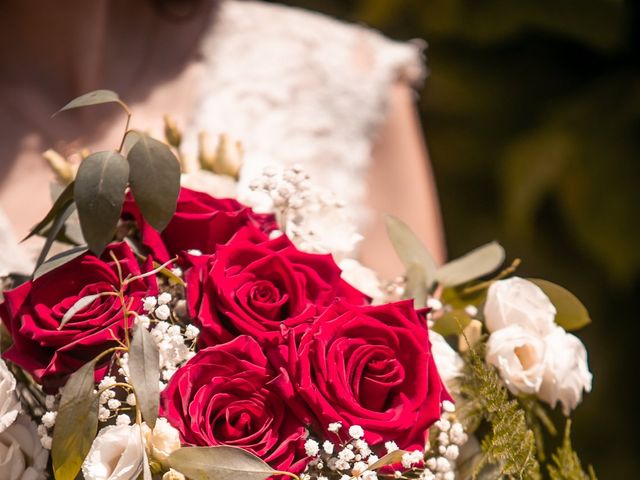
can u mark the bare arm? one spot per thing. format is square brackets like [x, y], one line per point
[401, 184]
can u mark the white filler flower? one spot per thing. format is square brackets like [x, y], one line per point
[516, 301]
[9, 403]
[22, 456]
[519, 356]
[566, 373]
[448, 361]
[162, 441]
[116, 454]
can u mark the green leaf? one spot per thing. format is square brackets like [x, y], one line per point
[458, 299]
[62, 202]
[477, 263]
[144, 372]
[571, 313]
[410, 249]
[219, 463]
[451, 323]
[130, 139]
[53, 232]
[155, 180]
[99, 193]
[81, 303]
[92, 98]
[76, 423]
[390, 458]
[416, 287]
[59, 260]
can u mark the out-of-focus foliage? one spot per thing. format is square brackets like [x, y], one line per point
[532, 116]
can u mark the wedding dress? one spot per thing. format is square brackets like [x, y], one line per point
[296, 87]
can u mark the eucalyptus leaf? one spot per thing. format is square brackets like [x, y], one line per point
[154, 180]
[62, 202]
[475, 264]
[571, 313]
[76, 423]
[410, 249]
[92, 98]
[81, 303]
[52, 234]
[457, 298]
[99, 194]
[59, 260]
[390, 458]
[451, 323]
[219, 463]
[416, 286]
[130, 139]
[144, 372]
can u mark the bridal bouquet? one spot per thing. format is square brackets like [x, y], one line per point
[189, 336]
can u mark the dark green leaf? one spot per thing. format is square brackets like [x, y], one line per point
[458, 299]
[571, 313]
[58, 260]
[473, 265]
[219, 463]
[144, 372]
[451, 323]
[62, 202]
[155, 180]
[92, 98]
[130, 139]
[99, 194]
[410, 249]
[76, 423]
[53, 232]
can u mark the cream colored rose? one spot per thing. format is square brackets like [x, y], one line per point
[22, 456]
[116, 454]
[448, 362]
[519, 356]
[516, 301]
[162, 441]
[363, 278]
[566, 373]
[9, 403]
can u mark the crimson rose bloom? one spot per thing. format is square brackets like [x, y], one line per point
[263, 290]
[226, 395]
[33, 312]
[369, 366]
[201, 222]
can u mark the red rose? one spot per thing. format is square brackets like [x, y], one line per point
[33, 313]
[263, 290]
[369, 366]
[225, 395]
[201, 222]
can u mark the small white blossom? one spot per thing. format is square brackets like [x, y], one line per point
[123, 419]
[471, 310]
[434, 304]
[103, 414]
[164, 298]
[195, 252]
[163, 312]
[49, 419]
[372, 459]
[346, 455]
[448, 406]
[442, 464]
[149, 303]
[113, 404]
[449, 475]
[356, 431]
[327, 446]
[345, 477]
[397, 474]
[144, 321]
[191, 332]
[131, 399]
[50, 402]
[431, 463]
[443, 438]
[311, 448]
[335, 427]
[46, 441]
[358, 468]
[443, 425]
[107, 382]
[390, 446]
[452, 452]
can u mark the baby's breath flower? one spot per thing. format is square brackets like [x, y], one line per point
[164, 298]
[123, 419]
[163, 312]
[390, 446]
[448, 406]
[191, 332]
[49, 419]
[335, 427]
[311, 448]
[356, 431]
[327, 446]
[149, 303]
[131, 399]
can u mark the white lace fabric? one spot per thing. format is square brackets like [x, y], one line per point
[296, 87]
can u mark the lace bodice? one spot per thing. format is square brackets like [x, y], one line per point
[294, 87]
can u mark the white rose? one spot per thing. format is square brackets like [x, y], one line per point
[162, 441]
[116, 454]
[9, 403]
[516, 301]
[22, 456]
[363, 278]
[566, 371]
[519, 356]
[448, 362]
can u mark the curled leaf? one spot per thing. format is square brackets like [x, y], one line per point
[219, 463]
[92, 98]
[410, 249]
[144, 372]
[475, 264]
[571, 313]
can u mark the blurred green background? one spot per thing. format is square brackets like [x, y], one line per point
[532, 116]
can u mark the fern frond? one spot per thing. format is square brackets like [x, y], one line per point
[510, 443]
[566, 464]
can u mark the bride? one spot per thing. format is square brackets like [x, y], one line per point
[292, 85]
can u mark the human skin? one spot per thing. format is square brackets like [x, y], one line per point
[50, 55]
